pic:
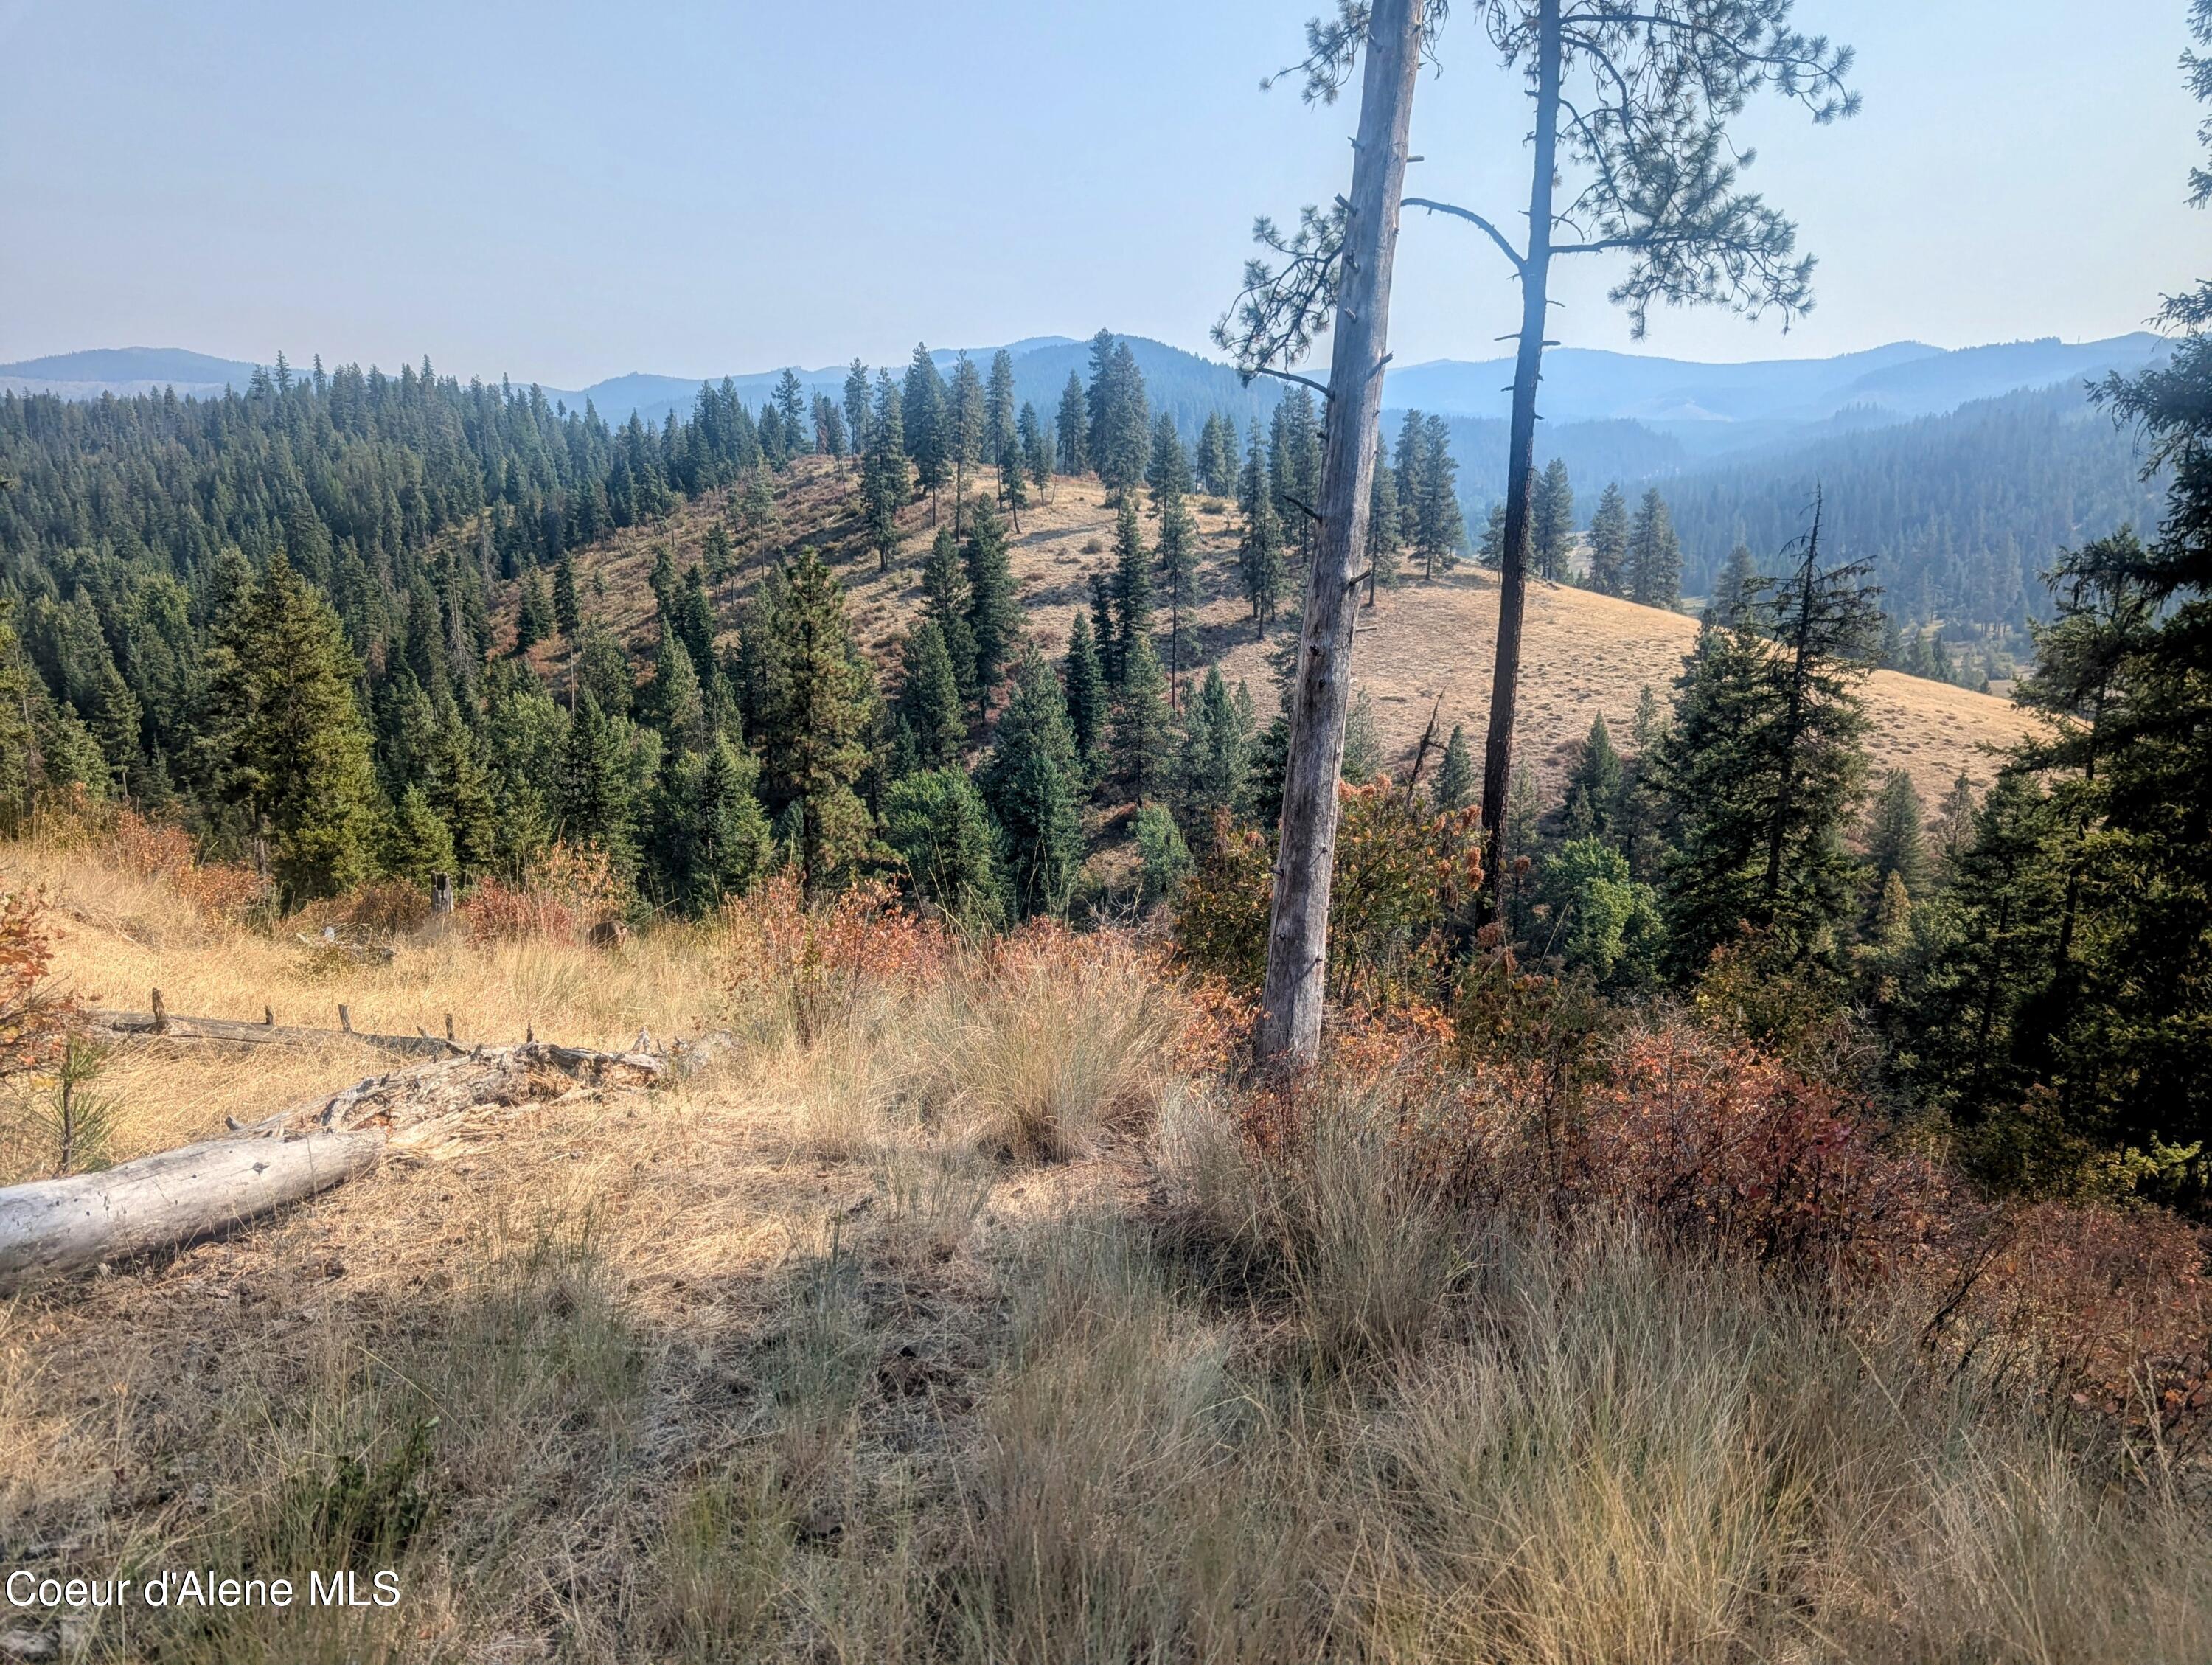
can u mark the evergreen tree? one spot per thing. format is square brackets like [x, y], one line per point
[592, 802]
[460, 791]
[1036, 448]
[673, 702]
[1456, 781]
[1654, 555]
[929, 439]
[1363, 744]
[1737, 590]
[1168, 471]
[967, 426]
[1382, 521]
[1030, 781]
[1490, 551]
[1086, 693]
[1217, 753]
[1972, 994]
[1072, 427]
[285, 723]
[1260, 562]
[883, 479]
[1143, 726]
[1000, 429]
[947, 603]
[1132, 587]
[533, 619]
[1608, 545]
[814, 729]
[602, 667]
[1217, 456]
[995, 613]
[1115, 411]
[1553, 522]
[414, 841]
[930, 711]
[719, 556]
[692, 615]
[1762, 766]
[1955, 825]
[1014, 481]
[710, 839]
[1162, 859]
[941, 830]
[1294, 461]
[1518, 848]
[1102, 632]
[857, 415]
[1602, 921]
[1895, 844]
[791, 406]
[1441, 528]
[1179, 565]
[829, 427]
[565, 613]
[1594, 789]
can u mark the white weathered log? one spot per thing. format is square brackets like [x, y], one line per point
[54, 1227]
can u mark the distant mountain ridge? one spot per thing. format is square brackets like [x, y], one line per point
[1707, 408]
[1894, 383]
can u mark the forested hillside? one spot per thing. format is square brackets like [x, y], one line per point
[1961, 515]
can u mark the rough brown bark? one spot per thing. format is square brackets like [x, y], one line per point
[1289, 1033]
[1521, 464]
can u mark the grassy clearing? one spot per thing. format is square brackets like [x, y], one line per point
[949, 1321]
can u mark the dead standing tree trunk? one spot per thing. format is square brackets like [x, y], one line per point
[1535, 269]
[1298, 935]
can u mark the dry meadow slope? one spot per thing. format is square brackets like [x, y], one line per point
[1586, 654]
[949, 1319]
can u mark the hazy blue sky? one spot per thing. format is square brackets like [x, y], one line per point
[566, 193]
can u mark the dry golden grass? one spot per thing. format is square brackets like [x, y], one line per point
[717, 1374]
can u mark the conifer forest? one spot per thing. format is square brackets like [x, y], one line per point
[1102, 1002]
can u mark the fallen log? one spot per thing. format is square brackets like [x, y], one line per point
[161, 1025]
[54, 1227]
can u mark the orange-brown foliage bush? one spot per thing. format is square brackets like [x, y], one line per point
[159, 850]
[566, 891]
[1709, 1136]
[2110, 1303]
[811, 961]
[35, 1021]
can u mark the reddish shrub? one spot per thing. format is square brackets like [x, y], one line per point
[2109, 1304]
[35, 1020]
[154, 849]
[812, 960]
[1712, 1137]
[566, 891]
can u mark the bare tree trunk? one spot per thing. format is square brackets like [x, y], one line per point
[62, 1225]
[1521, 464]
[1298, 932]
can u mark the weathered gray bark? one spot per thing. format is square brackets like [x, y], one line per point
[1536, 271]
[1289, 1032]
[54, 1227]
[59, 1226]
[164, 1026]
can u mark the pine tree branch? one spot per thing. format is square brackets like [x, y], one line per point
[1292, 375]
[1520, 264]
